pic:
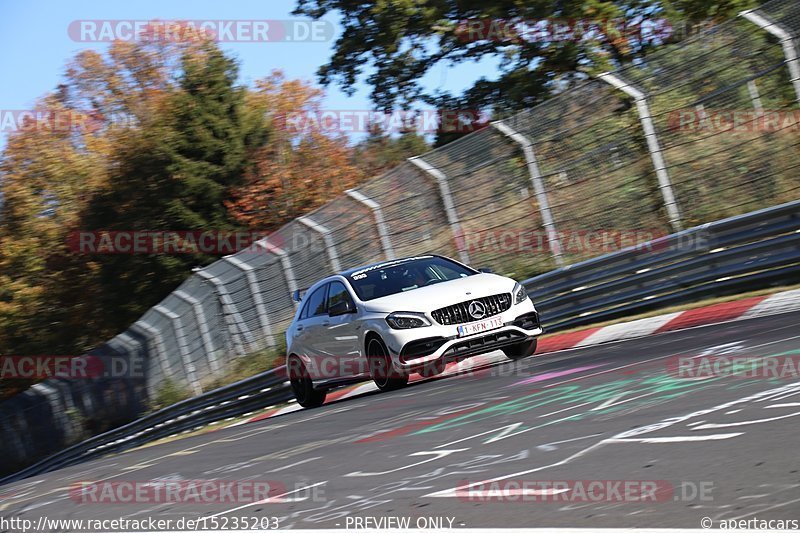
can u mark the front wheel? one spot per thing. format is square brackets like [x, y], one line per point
[380, 367]
[520, 350]
[302, 386]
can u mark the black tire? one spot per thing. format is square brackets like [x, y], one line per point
[520, 350]
[302, 386]
[432, 369]
[384, 375]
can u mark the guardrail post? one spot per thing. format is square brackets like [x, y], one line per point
[131, 342]
[447, 200]
[148, 329]
[180, 338]
[232, 316]
[656, 155]
[539, 189]
[330, 246]
[383, 232]
[56, 399]
[288, 271]
[263, 317]
[202, 324]
[786, 40]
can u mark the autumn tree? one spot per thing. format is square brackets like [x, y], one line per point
[47, 174]
[170, 136]
[305, 164]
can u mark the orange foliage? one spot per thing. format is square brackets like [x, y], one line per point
[297, 171]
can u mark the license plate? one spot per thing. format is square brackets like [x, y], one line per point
[480, 327]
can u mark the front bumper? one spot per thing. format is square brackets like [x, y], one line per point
[409, 353]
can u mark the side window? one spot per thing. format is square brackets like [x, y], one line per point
[337, 293]
[315, 305]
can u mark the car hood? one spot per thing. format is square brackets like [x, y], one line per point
[426, 299]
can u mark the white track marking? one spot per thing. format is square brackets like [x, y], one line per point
[775, 406]
[745, 423]
[437, 455]
[502, 432]
[610, 401]
[293, 464]
[763, 509]
[550, 446]
[565, 409]
[685, 438]
[273, 499]
[454, 492]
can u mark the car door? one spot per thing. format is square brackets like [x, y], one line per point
[307, 332]
[340, 333]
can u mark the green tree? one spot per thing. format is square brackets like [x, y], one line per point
[403, 39]
[380, 151]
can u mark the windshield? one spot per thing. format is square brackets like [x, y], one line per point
[403, 275]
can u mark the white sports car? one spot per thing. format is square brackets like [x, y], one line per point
[387, 320]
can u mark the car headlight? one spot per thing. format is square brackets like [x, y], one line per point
[407, 320]
[520, 294]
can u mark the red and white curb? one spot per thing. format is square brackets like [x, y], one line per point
[757, 306]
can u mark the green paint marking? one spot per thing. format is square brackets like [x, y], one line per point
[654, 389]
[662, 386]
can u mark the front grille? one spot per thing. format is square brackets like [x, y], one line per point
[459, 313]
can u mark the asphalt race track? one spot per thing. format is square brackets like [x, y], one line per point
[715, 446]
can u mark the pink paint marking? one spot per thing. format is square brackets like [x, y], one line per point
[551, 375]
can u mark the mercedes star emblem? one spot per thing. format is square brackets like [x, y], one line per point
[477, 310]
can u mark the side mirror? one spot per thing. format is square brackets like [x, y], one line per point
[342, 308]
[486, 270]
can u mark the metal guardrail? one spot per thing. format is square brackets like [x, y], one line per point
[739, 253]
[732, 255]
[263, 390]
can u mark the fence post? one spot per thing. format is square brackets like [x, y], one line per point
[58, 407]
[755, 95]
[288, 271]
[263, 318]
[149, 330]
[787, 42]
[128, 340]
[383, 232]
[330, 246]
[131, 341]
[202, 324]
[656, 155]
[232, 316]
[539, 189]
[180, 338]
[447, 200]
